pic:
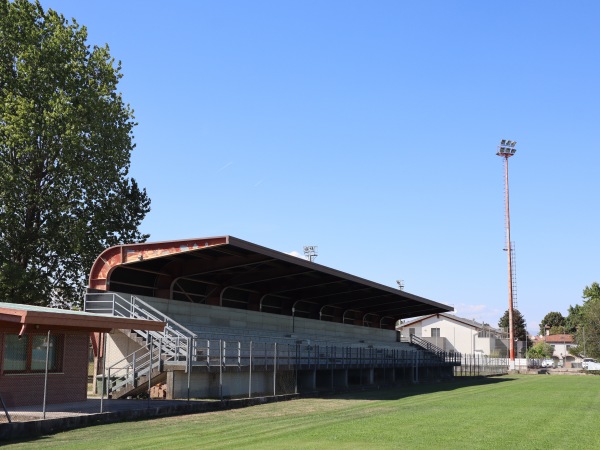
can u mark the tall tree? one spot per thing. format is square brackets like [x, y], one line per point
[573, 319]
[65, 148]
[520, 326]
[552, 319]
[541, 350]
[588, 331]
[591, 292]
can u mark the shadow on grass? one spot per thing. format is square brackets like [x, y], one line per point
[372, 393]
[409, 390]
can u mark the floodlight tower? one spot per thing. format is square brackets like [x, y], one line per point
[310, 251]
[506, 149]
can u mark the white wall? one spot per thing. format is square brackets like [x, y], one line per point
[118, 346]
[454, 335]
[459, 337]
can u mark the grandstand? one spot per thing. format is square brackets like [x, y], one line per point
[245, 320]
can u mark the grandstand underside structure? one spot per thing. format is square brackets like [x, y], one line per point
[246, 320]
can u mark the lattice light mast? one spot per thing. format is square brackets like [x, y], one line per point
[506, 149]
[310, 251]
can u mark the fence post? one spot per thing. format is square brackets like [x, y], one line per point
[5, 410]
[46, 375]
[208, 353]
[189, 366]
[250, 372]
[221, 369]
[160, 340]
[296, 368]
[150, 369]
[274, 369]
[104, 386]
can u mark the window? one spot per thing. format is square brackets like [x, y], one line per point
[411, 331]
[28, 354]
[435, 332]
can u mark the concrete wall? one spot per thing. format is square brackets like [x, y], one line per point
[204, 384]
[118, 346]
[196, 316]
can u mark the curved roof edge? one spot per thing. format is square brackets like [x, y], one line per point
[121, 255]
[126, 253]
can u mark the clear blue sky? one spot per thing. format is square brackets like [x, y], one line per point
[370, 129]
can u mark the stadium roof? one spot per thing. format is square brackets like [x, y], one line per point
[227, 271]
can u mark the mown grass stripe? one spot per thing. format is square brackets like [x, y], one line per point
[506, 412]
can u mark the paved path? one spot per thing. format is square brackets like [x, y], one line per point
[90, 406]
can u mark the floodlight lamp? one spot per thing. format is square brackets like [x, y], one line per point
[503, 141]
[513, 151]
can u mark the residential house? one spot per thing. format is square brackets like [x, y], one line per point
[562, 343]
[453, 333]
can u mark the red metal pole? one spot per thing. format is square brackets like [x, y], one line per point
[508, 249]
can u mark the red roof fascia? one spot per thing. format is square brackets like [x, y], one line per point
[122, 254]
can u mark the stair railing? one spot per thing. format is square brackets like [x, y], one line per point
[451, 357]
[174, 338]
[173, 341]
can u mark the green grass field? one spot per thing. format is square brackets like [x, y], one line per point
[529, 412]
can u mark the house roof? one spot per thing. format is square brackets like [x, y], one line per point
[192, 270]
[14, 316]
[452, 317]
[559, 339]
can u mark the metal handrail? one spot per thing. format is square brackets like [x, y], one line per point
[135, 311]
[426, 345]
[173, 340]
[174, 332]
[136, 366]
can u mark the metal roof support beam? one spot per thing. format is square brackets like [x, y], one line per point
[221, 295]
[352, 291]
[237, 266]
[301, 300]
[260, 303]
[176, 282]
[348, 310]
[368, 314]
[313, 286]
[384, 295]
[321, 313]
[182, 290]
[262, 280]
[383, 317]
[185, 278]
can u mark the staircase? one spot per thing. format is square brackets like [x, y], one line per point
[133, 374]
[452, 358]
